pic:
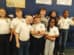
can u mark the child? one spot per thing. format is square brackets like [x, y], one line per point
[44, 20]
[42, 14]
[4, 32]
[37, 41]
[51, 36]
[63, 24]
[22, 34]
[72, 21]
[52, 14]
[15, 22]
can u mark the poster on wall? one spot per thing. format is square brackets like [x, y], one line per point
[46, 2]
[15, 3]
[64, 2]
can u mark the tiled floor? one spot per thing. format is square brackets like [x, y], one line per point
[69, 52]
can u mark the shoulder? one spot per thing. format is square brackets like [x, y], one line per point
[14, 19]
[69, 19]
[56, 28]
[41, 24]
[23, 20]
[8, 20]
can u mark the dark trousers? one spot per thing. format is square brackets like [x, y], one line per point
[63, 40]
[4, 44]
[24, 48]
[13, 49]
[37, 46]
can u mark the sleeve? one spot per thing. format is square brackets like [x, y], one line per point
[18, 28]
[71, 22]
[12, 24]
[9, 22]
[57, 31]
[59, 22]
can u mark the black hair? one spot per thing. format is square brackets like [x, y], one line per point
[48, 27]
[65, 11]
[52, 12]
[41, 9]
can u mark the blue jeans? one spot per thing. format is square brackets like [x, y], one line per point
[62, 40]
[24, 48]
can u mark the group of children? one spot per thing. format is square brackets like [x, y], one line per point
[34, 35]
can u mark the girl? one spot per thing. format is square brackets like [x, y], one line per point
[53, 14]
[23, 36]
[37, 41]
[4, 32]
[15, 22]
[51, 36]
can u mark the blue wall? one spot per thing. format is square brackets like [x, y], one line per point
[32, 7]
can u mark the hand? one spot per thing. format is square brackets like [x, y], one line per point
[10, 39]
[17, 45]
[52, 39]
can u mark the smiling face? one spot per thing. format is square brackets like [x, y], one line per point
[53, 14]
[19, 13]
[37, 19]
[52, 22]
[66, 13]
[42, 12]
[29, 19]
[2, 12]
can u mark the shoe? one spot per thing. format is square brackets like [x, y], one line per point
[61, 53]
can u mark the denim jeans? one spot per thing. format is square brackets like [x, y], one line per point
[62, 40]
[24, 48]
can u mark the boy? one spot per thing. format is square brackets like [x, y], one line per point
[64, 24]
[15, 22]
[22, 34]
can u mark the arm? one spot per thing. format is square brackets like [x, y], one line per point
[17, 33]
[43, 30]
[33, 32]
[11, 35]
[17, 40]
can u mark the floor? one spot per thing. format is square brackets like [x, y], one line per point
[69, 51]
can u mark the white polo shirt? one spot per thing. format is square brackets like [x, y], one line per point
[54, 31]
[64, 23]
[23, 30]
[44, 20]
[38, 27]
[5, 26]
[15, 22]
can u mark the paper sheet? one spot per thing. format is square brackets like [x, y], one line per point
[15, 3]
[64, 2]
[47, 2]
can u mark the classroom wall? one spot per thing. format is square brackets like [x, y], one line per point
[32, 8]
